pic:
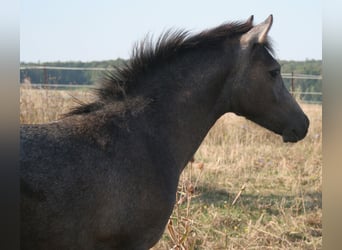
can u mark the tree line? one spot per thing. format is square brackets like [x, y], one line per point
[61, 76]
[86, 77]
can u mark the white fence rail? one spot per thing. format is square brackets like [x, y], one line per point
[63, 68]
[301, 76]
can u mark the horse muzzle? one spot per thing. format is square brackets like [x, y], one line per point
[296, 131]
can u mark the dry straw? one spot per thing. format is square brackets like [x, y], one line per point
[245, 189]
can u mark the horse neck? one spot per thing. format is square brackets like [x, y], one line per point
[183, 117]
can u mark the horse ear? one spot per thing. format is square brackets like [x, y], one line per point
[258, 34]
[250, 20]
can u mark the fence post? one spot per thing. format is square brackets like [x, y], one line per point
[292, 83]
[45, 76]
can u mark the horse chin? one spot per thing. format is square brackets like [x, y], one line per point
[287, 138]
[290, 136]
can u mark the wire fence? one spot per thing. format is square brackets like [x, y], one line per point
[304, 87]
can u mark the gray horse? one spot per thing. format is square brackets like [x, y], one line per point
[106, 174]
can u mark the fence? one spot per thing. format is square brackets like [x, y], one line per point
[307, 88]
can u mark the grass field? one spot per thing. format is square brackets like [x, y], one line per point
[245, 189]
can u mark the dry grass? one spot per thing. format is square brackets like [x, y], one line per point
[277, 187]
[46, 105]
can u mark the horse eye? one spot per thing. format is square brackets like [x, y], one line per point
[274, 73]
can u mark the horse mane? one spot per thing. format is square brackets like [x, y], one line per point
[118, 84]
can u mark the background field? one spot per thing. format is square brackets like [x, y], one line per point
[276, 188]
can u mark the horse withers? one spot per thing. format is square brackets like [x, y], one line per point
[106, 174]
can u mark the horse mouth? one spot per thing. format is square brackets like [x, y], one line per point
[292, 135]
